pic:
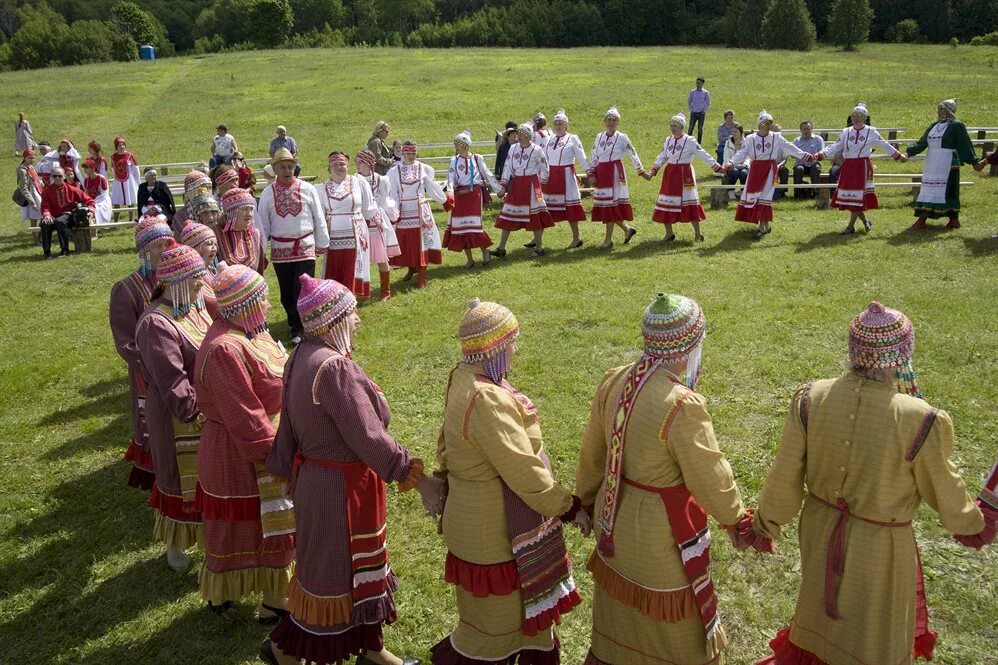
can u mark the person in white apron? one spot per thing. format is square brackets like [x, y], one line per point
[97, 188]
[949, 147]
[380, 230]
[410, 183]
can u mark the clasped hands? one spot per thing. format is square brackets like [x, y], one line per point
[433, 491]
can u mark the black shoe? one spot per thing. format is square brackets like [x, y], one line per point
[47, 257]
[530, 245]
[267, 654]
[227, 608]
[575, 245]
[539, 252]
[768, 231]
[631, 232]
[867, 224]
[498, 251]
[64, 253]
[271, 621]
[669, 238]
[847, 231]
[758, 235]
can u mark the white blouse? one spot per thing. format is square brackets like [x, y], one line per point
[858, 143]
[527, 161]
[771, 147]
[612, 148]
[682, 151]
[470, 171]
[411, 182]
[565, 151]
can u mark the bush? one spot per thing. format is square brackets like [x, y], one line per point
[144, 28]
[123, 47]
[37, 44]
[990, 39]
[787, 25]
[849, 23]
[324, 38]
[905, 32]
[270, 23]
[213, 44]
[87, 42]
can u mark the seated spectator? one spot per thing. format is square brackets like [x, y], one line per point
[724, 133]
[282, 140]
[222, 147]
[738, 172]
[247, 179]
[96, 187]
[154, 192]
[376, 144]
[833, 173]
[504, 142]
[71, 177]
[59, 202]
[808, 142]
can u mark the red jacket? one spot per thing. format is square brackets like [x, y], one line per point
[59, 199]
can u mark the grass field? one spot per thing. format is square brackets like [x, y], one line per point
[80, 579]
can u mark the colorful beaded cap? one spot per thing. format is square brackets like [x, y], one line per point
[202, 203]
[487, 329]
[179, 263]
[232, 201]
[323, 304]
[194, 234]
[226, 176]
[195, 184]
[673, 327]
[150, 229]
[241, 293]
[881, 338]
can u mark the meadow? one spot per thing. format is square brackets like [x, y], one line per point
[81, 581]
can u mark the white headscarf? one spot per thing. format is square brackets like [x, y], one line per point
[464, 138]
[561, 116]
[679, 118]
[612, 112]
[860, 108]
[526, 129]
[764, 116]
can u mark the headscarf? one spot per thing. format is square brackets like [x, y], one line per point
[949, 107]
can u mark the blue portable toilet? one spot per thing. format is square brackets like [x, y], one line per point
[147, 52]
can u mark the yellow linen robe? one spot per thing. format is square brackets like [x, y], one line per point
[855, 445]
[487, 435]
[644, 611]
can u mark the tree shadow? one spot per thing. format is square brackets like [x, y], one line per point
[981, 246]
[107, 403]
[114, 435]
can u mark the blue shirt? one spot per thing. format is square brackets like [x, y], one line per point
[287, 142]
[699, 100]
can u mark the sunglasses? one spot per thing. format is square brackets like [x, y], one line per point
[58, 177]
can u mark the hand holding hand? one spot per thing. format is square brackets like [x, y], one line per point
[583, 522]
[431, 492]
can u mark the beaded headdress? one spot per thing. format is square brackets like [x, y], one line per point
[883, 338]
[338, 158]
[612, 112]
[367, 157]
[178, 264]
[674, 327]
[324, 306]
[150, 229]
[241, 293]
[561, 116]
[232, 201]
[765, 116]
[194, 235]
[409, 147]
[464, 138]
[860, 108]
[487, 332]
[202, 203]
[526, 129]
[226, 176]
[196, 184]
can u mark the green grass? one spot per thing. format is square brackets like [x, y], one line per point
[80, 579]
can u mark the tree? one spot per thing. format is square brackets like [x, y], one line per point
[849, 23]
[129, 18]
[87, 41]
[38, 44]
[750, 23]
[904, 32]
[732, 25]
[787, 25]
[270, 23]
[316, 14]
[9, 22]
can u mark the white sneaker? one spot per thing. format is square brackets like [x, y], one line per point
[177, 560]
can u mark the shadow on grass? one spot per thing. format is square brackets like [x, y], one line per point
[114, 435]
[826, 240]
[931, 233]
[981, 246]
[104, 404]
[85, 520]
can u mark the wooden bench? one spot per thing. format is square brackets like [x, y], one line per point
[987, 145]
[164, 169]
[719, 193]
[82, 237]
[892, 132]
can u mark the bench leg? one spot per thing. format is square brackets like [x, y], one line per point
[824, 199]
[81, 240]
[718, 199]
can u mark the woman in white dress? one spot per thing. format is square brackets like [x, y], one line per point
[678, 199]
[23, 139]
[411, 183]
[523, 176]
[97, 188]
[611, 198]
[468, 177]
[765, 149]
[855, 191]
[561, 191]
[380, 230]
[349, 205]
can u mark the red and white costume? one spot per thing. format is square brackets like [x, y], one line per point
[611, 199]
[468, 177]
[349, 208]
[756, 204]
[855, 189]
[381, 230]
[678, 199]
[418, 237]
[125, 185]
[69, 162]
[561, 191]
[523, 174]
[292, 217]
[541, 137]
[98, 189]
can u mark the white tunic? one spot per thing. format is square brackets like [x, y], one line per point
[385, 222]
[348, 207]
[682, 151]
[563, 152]
[612, 148]
[409, 185]
[541, 137]
[102, 209]
[292, 219]
[522, 162]
[772, 147]
[858, 144]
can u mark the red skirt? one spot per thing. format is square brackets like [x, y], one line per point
[340, 266]
[855, 187]
[678, 200]
[142, 475]
[524, 208]
[464, 230]
[412, 253]
[756, 204]
[611, 202]
[556, 195]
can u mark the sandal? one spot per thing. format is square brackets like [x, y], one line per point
[758, 235]
[498, 251]
[631, 232]
[575, 245]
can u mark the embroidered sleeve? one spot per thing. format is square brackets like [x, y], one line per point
[939, 483]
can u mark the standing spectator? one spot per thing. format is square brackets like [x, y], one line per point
[97, 156]
[504, 142]
[699, 103]
[30, 188]
[807, 142]
[738, 172]
[268, 173]
[376, 144]
[222, 147]
[59, 200]
[724, 133]
[96, 187]
[125, 168]
[45, 165]
[22, 135]
[282, 140]
[154, 192]
[290, 214]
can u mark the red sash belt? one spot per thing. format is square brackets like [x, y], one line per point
[835, 559]
[302, 459]
[297, 242]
